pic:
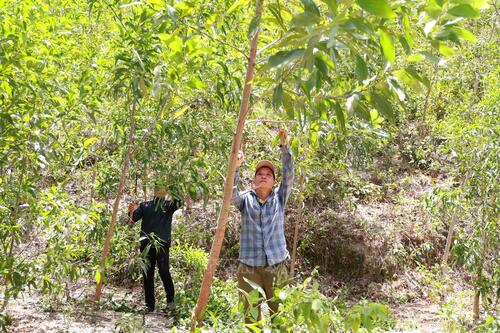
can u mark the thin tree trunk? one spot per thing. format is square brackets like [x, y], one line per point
[92, 185]
[449, 238]
[144, 185]
[477, 293]
[426, 104]
[13, 218]
[228, 185]
[296, 230]
[123, 176]
[136, 182]
[188, 205]
[475, 304]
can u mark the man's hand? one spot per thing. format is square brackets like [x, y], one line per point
[283, 134]
[132, 207]
[240, 158]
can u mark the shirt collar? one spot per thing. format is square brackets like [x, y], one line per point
[257, 197]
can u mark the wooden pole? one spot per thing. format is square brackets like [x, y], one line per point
[228, 185]
[121, 184]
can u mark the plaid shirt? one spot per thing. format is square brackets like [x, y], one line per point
[262, 238]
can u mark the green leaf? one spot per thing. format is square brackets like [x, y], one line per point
[446, 51]
[387, 44]
[339, 113]
[282, 58]
[235, 5]
[305, 19]
[310, 7]
[413, 72]
[361, 70]
[88, 142]
[98, 276]
[360, 24]
[276, 11]
[404, 43]
[253, 27]
[407, 30]
[313, 133]
[184, 7]
[433, 8]
[196, 84]
[175, 44]
[157, 4]
[382, 105]
[423, 55]
[295, 149]
[379, 8]
[180, 112]
[396, 88]
[278, 96]
[464, 10]
[332, 5]
[288, 105]
[411, 78]
[455, 33]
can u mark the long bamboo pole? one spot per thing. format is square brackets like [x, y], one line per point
[121, 185]
[228, 185]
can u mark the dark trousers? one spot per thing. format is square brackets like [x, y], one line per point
[158, 257]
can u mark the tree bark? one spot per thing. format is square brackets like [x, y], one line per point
[475, 304]
[449, 238]
[477, 293]
[228, 185]
[92, 185]
[121, 184]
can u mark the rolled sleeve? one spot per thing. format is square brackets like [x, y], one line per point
[288, 174]
[237, 198]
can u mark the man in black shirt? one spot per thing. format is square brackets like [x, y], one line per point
[156, 223]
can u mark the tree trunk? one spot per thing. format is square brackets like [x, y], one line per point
[144, 181]
[228, 185]
[477, 293]
[449, 238]
[123, 176]
[92, 185]
[475, 304]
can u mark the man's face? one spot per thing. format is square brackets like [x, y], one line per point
[264, 178]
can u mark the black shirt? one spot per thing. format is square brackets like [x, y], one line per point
[156, 218]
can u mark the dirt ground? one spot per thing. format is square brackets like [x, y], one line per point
[28, 314]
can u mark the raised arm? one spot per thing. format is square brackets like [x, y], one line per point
[288, 174]
[237, 199]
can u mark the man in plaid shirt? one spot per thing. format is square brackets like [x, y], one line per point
[263, 252]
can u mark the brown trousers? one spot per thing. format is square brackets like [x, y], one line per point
[265, 277]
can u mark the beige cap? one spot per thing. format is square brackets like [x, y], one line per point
[268, 164]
